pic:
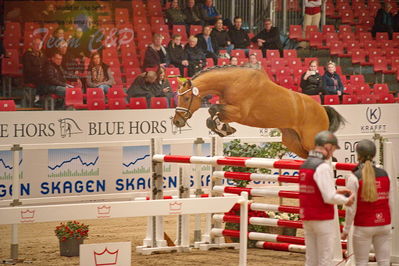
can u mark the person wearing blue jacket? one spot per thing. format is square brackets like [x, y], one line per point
[331, 81]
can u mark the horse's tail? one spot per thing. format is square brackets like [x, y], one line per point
[336, 120]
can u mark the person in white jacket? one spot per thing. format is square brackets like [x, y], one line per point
[317, 197]
[371, 211]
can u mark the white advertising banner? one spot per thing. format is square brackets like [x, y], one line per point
[98, 169]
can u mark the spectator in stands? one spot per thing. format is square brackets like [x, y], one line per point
[195, 55]
[383, 21]
[99, 74]
[175, 15]
[54, 77]
[312, 13]
[54, 41]
[208, 44]
[396, 22]
[156, 55]
[268, 38]
[253, 62]
[92, 38]
[331, 81]
[33, 62]
[238, 36]
[234, 61]
[311, 82]
[145, 86]
[222, 37]
[162, 86]
[176, 52]
[193, 13]
[210, 14]
[49, 14]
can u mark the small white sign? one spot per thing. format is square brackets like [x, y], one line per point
[104, 254]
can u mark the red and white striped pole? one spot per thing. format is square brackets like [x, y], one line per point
[281, 246]
[242, 162]
[258, 221]
[260, 192]
[263, 177]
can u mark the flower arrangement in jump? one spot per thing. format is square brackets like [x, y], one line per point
[71, 230]
[283, 215]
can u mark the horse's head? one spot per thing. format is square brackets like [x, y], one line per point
[188, 101]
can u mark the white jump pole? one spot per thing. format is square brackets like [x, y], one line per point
[198, 188]
[157, 193]
[243, 229]
[184, 220]
[217, 150]
[15, 200]
[389, 165]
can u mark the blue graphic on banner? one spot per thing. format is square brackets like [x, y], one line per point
[73, 162]
[136, 159]
[6, 165]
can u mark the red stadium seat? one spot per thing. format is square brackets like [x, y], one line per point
[296, 33]
[222, 61]
[117, 103]
[74, 97]
[159, 103]
[96, 104]
[257, 53]
[181, 30]
[316, 98]
[386, 98]
[172, 72]
[238, 53]
[174, 84]
[331, 99]
[290, 53]
[138, 103]
[349, 99]
[368, 99]
[116, 92]
[272, 54]
[195, 29]
[381, 88]
[7, 105]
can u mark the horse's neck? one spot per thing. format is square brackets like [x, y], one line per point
[211, 83]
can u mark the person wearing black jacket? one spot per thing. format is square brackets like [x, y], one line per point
[268, 38]
[239, 37]
[54, 77]
[193, 13]
[208, 44]
[33, 62]
[221, 36]
[383, 21]
[311, 82]
[195, 55]
[176, 53]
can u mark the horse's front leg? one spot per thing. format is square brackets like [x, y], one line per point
[220, 114]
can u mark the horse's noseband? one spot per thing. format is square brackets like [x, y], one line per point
[187, 113]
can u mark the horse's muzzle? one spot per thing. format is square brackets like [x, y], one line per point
[178, 121]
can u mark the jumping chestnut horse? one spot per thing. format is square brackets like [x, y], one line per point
[249, 97]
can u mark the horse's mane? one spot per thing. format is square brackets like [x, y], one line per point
[217, 67]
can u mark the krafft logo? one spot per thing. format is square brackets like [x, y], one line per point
[28, 216]
[106, 257]
[373, 114]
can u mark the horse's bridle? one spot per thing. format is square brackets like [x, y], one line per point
[186, 111]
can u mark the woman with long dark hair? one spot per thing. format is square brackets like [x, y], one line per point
[99, 74]
[371, 212]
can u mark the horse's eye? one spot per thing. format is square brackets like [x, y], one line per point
[186, 99]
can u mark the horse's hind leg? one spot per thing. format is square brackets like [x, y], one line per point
[292, 141]
[220, 113]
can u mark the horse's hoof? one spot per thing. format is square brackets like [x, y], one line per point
[230, 130]
[210, 123]
[213, 110]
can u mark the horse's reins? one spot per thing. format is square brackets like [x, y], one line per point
[186, 111]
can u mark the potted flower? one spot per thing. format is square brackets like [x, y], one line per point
[289, 231]
[71, 234]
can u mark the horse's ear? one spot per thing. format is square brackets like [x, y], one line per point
[189, 83]
[180, 82]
